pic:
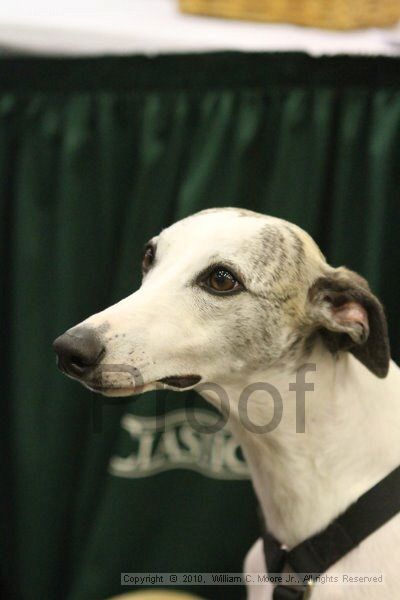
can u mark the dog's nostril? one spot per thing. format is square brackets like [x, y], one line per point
[77, 362]
[79, 351]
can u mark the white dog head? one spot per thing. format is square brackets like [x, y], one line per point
[225, 292]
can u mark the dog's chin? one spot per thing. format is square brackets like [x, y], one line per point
[120, 392]
[185, 382]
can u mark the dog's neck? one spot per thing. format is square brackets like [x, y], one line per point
[305, 479]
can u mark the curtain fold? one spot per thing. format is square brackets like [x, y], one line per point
[96, 156]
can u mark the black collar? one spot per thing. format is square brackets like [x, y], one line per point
[316, 554]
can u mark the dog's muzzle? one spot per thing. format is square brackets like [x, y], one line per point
[79, 351]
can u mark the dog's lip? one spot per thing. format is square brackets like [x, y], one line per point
[180, 381]
[117, 390]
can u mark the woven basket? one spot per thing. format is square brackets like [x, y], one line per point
[330, 14]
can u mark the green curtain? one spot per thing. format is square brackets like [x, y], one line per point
[96, 155]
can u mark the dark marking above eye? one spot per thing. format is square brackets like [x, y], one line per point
[103, 328]
[148, 257]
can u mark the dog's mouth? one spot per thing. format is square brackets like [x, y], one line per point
[180, 382]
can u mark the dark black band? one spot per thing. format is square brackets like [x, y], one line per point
[316, 554]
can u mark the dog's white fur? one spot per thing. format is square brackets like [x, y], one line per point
[172, 326]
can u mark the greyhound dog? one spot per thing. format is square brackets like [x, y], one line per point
[237, 301]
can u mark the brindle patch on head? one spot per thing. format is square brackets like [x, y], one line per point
[277, 261]
[263, 254]
[273, 247]
[298, 254]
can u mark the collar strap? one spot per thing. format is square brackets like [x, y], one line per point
[316, 554]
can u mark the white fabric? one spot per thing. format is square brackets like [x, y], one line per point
[97, 27]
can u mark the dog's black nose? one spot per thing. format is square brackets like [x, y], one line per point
[78, 350]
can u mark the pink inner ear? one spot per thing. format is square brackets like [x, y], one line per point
[351, 313]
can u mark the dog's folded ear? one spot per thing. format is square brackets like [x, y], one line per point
[349, 317]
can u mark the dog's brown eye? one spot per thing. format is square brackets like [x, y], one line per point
[222, 281]
[148, 258]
